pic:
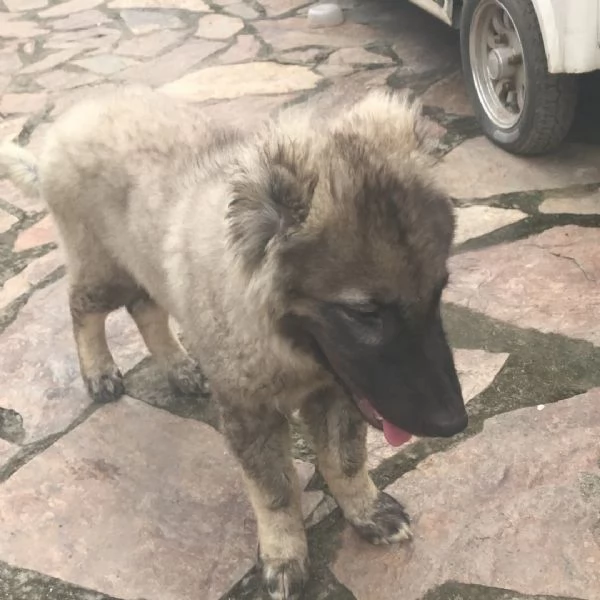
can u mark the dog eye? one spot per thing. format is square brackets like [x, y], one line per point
[366, 314]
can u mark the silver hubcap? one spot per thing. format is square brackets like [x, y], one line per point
[496, 57]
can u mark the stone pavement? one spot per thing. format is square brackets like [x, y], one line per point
[141, 499]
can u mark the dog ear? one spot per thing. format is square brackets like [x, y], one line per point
[271, 198]
[391, 122]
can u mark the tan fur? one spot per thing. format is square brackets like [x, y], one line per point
[166, 213]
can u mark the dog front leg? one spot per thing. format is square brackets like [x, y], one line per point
[261, 442]
[339, 436]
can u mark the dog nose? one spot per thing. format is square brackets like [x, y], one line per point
[450, 427]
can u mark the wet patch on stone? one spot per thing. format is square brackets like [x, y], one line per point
[450, 95]
[148, 383]
[11, 426]
[404, 26]
[465, 591]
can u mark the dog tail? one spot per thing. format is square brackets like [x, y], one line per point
[20, 166]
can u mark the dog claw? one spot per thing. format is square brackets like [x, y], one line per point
[284, 579]
[388, 523]
[106, 387]
[187, 379]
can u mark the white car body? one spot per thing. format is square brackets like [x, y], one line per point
[570, 30]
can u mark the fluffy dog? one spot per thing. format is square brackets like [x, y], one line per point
[305, 263]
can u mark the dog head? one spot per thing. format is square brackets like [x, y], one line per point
[348, 239]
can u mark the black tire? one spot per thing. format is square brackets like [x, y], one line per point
[550, 100]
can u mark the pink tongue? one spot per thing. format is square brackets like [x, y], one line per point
[394, 435]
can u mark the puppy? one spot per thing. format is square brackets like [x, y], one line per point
[305, 263]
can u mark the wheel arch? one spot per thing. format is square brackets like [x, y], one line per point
[545, 11]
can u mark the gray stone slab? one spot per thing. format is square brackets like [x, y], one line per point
[6, 221]
[133, 503]
[514, 507]
[22, 584]
[478, 169]
[218, 26]
[465, 591]
[295, 32]
[476, 369]
[475, 221]
[39, 363]
[145, 21]
[171, 65]
[7, 451]
[580, 204]
[548, 281]
[192, 5]
[149, 45]
[235, 81]
[67, 8]
[22, 5]
[450, 95]
[105, 64]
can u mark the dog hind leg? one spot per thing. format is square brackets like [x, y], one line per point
[90, 306]
[184, 373]
[339, 433]
[261, 443]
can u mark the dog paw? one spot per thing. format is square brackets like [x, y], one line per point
[186, 378]
[388, 522]
[105, 387]
[284, 579]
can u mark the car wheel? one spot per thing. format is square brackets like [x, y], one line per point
[521, 107]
